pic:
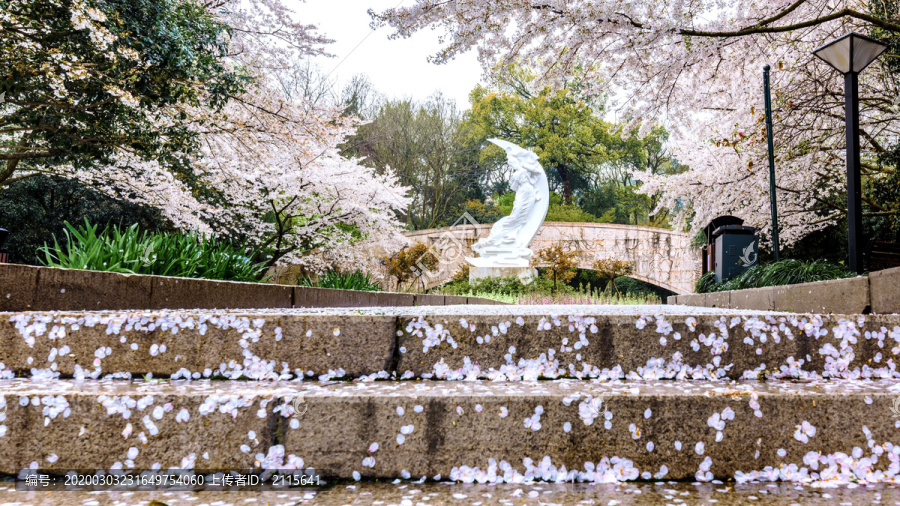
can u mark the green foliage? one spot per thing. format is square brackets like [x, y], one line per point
[505, 286]
[481, 212]
[35, 210]
[536, 298]
[587, 297]
[540, 291]
[557, 211]
[347, 280]
[706, 283]
[565, 133]
[182, 46]
[571, 213]
[444, 156]
[131, 251]
[785, 272]
[420, 144]
[589, 162]
[505, 298]
[699, 240]
[583, 289]
[636, 288]
[613, 191]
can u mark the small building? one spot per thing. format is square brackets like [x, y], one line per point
[731, 248]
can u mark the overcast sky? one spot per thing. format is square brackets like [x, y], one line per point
[397, 68]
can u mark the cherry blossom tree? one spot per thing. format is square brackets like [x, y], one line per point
[84, 80]
[696, 67]
[273, 156]
[253, 163]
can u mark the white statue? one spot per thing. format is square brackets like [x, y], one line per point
[505, 251]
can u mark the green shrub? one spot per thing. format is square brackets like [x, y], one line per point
[785, 272]
[587, 297]
[35, 210]
[131, 251]
[499, 297]
[356, 280]
[481, 212]
[503, 286]
[571, 297]
[706, 283]
[557, 211]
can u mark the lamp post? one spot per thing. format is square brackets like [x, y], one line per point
[849, 55]
[772, 196]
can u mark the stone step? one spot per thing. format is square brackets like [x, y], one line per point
[623, 494]
[494, 342]
[465, 430]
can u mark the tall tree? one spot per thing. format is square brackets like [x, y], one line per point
[589, 161]
[565, 132]
[698, 66]
[419, 145]
[199, 126]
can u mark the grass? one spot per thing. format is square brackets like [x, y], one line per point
[785, 272]
[355, 280]
[540, 292]
[565, 298]
[599, 298]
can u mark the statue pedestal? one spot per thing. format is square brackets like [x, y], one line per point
[480, 268]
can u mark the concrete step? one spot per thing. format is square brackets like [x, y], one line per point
[494, 342]
[623, 494]
[465, 430]
[406, 494]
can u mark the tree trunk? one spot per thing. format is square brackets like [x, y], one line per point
[566, 179]
[8, 171]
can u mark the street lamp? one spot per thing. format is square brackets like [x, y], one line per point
[849, 55]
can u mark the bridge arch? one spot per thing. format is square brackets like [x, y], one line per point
[661, 257]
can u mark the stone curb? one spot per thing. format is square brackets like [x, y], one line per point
[878, 293]
[30, 288]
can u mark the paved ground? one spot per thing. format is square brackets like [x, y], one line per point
[499, 309]
[662, 493]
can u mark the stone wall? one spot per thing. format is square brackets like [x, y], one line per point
[662, 257]
[29, 288]
[878, 293]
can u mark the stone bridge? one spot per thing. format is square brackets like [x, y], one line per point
[662, 257]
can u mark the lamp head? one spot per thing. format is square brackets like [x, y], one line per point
[850, 53]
